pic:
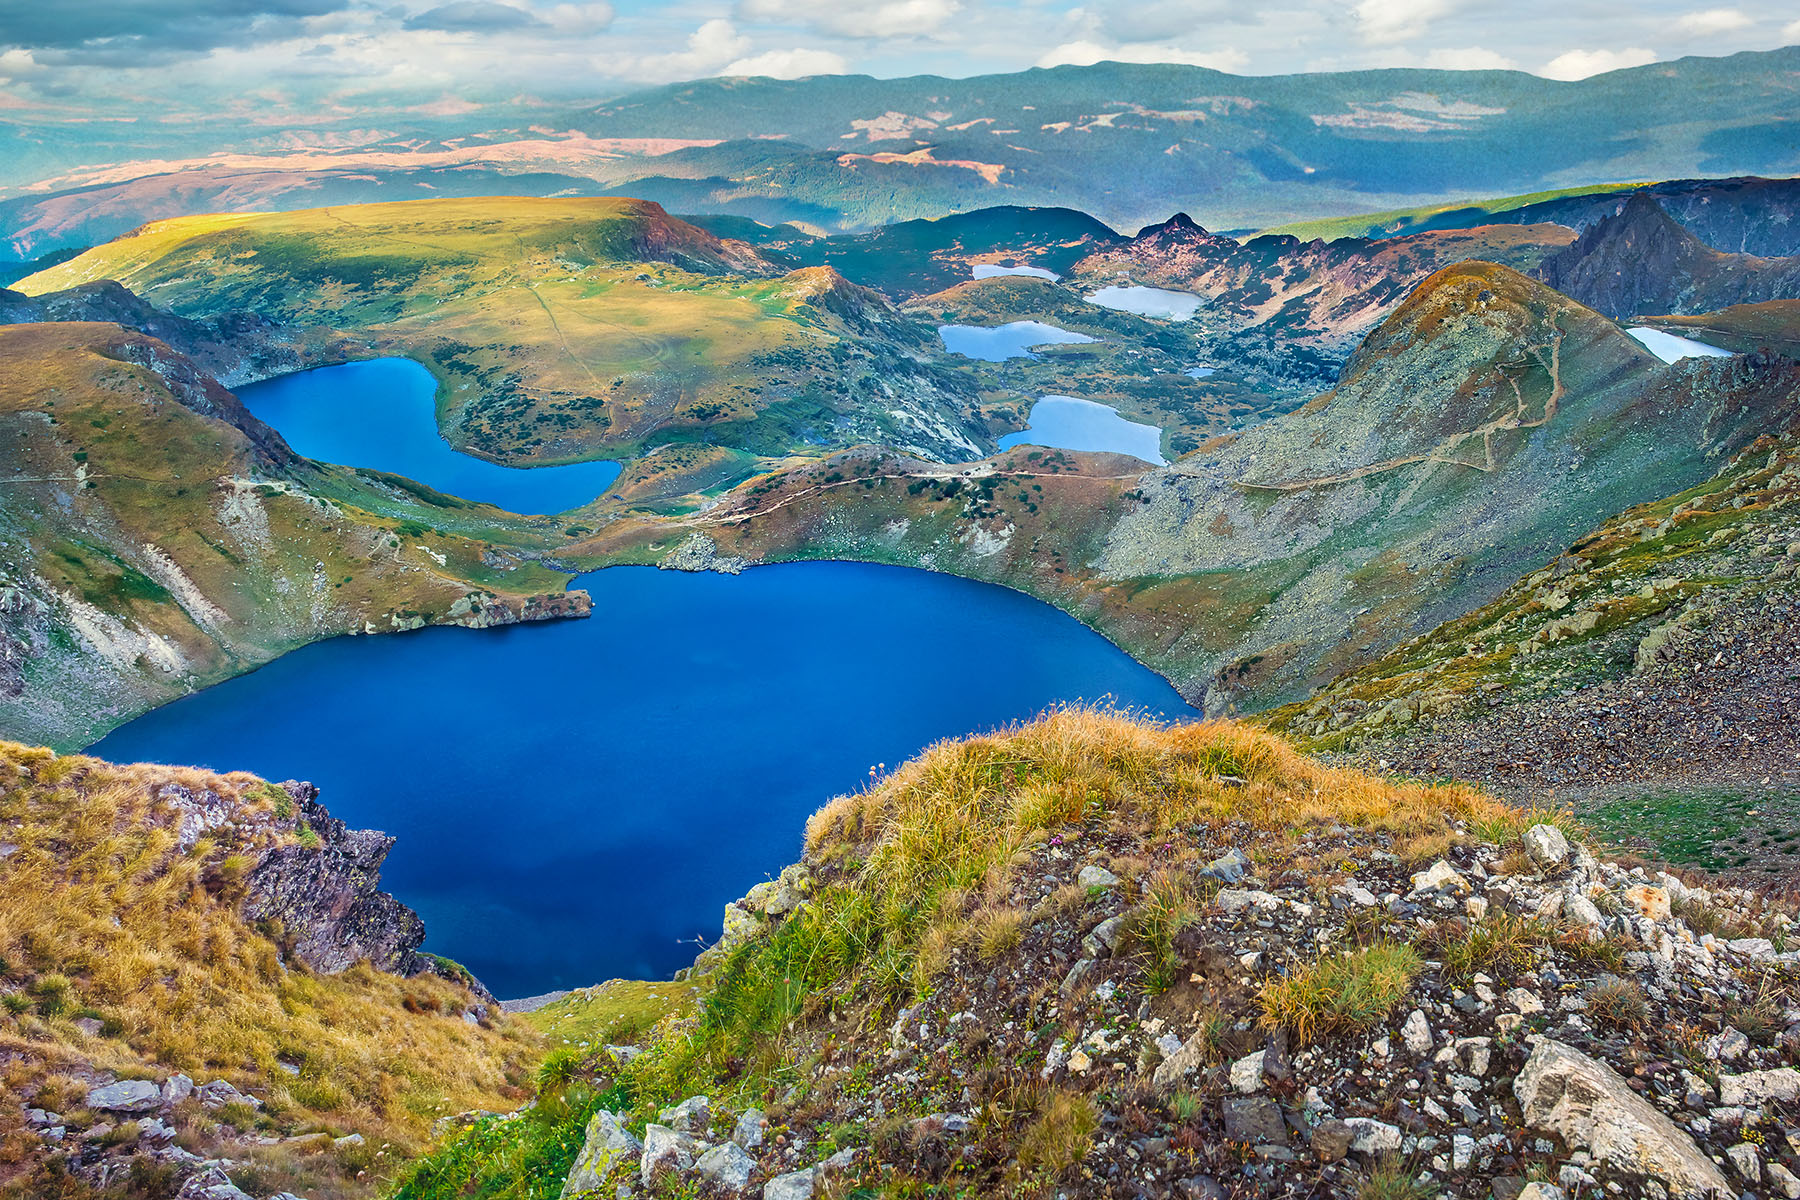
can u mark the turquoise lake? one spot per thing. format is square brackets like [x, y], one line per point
[1070, 423]
[381, 414]
[578, 800]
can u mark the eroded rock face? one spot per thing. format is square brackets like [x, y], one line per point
[608, 1146]
[1586, 1103]
[328, 899]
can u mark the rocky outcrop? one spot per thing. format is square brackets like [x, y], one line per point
[1586, 1103]
[324, 891]
[1640, 261]
[315, 883]
[701, 553]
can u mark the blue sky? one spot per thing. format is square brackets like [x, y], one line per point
[285, 55]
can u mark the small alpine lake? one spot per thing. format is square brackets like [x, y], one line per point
[1000, 342]
[1148, 301]
[1070, 423]
[578, 800]
[382, 414]
[1671, 348]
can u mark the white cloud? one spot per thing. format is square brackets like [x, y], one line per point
[1579, 64]
[709, 47]
[855, 18]
[1791, 32]
[1086, 53]
[1384, 21]
[789, 64]
[1711, 22]
[579, 19]
[1471, 58]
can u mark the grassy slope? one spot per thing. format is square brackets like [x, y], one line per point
[1578, 619]
[158, 550]
[914, 893]
[1771, 325]
[103, 916]
[1456, 215]
[560, 329]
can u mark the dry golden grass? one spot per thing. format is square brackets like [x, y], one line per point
[103, 915]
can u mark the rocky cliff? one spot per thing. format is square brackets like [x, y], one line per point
[1640, 261]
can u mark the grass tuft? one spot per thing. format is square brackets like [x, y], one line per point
[1349, 993]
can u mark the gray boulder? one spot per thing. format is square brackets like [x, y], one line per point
[1229, 867]
[608, 1147]
[666, 1149]
[1586, 1103]
[1545, 846]
[727, 1166]
[126, 1096]
[693, 1115]
[749, 1130]
[795, 1185]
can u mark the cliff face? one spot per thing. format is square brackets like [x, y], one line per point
[1640, 261]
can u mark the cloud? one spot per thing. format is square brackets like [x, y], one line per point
[855, 18]
[472, 16]
[1168, 20]
[579, 19]
[1385, 21]
[104, 32]
[710, 47]
[1471, 58]
[1086, 53]
[1579, 64]
[1791, 32]
[789, 64]
[1711, 22]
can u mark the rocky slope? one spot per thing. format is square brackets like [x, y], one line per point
[203, 988]
[1087, 957]
[1652, 660]
[159, 538]
[1641, 261]
[1297, 309]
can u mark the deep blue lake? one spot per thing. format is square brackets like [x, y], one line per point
[1071, 423]
[382, 414]
[578, 800]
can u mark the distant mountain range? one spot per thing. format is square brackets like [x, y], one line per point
[1128, 144]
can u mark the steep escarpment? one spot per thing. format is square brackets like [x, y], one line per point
[1640, 261]
[158, 538]
[204, 985]
[1090, 957]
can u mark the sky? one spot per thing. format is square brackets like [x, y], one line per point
[452, 56]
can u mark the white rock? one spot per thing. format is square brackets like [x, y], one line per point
[1439, 877]
[1092, 876]
[1727, 1044]
[1462, 1151]
[693, 1115]
[1416, 1033]
[1784, 1180]
[1236, 900]
[1247, 1073]
[1545, 846]
[1523, 1001]
[1369, 1136]
[1753, 1089]
[1540, 1191]
[1586, 1103]
[727, 1166]
[1577, 909]
[1746, 1162]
